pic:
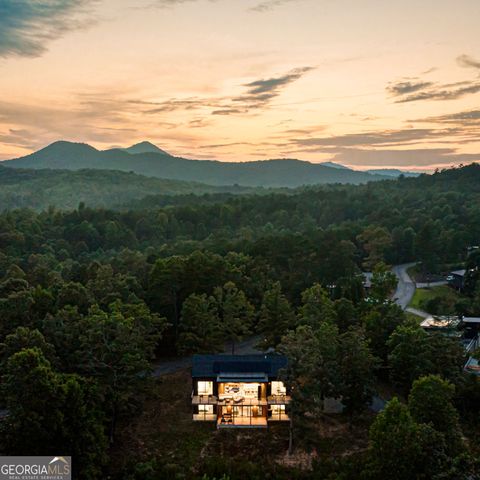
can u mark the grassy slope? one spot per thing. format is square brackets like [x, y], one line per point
[424, 294]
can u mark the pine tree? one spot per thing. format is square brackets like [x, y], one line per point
[235, 312]
[276, 317]
[200, 328]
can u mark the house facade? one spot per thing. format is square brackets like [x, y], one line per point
[239, 390]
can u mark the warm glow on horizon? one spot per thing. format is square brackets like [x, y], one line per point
[364, 83]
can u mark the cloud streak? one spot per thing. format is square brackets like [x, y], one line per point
[467, 61]
[428, 158]
[442, 93]
[385, 138]
[268, 5]
[414, 91]
[404, 88]
[263, 6]
[466, 118]
[28, 26]
[393, 148]
[258, 94]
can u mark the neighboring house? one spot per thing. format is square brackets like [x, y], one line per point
[456, 279]
[471, 329]
[466, 329]
[239, 390]
[448, 325]
[472, 336]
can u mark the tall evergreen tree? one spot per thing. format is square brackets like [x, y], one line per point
[276, 317]
[316, 307]
[235, 312]
[200, 328]
[311, 373]
[356, 370]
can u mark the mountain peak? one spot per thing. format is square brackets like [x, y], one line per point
[65, 145]
[335, 165]
[144, 147]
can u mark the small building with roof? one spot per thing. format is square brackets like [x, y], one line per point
[456, 279]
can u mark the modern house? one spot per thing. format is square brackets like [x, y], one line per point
[239, 390]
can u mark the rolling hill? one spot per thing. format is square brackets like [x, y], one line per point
[64, 189]
[146, 159]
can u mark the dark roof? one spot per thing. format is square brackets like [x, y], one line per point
[471, 319]
[213, 365]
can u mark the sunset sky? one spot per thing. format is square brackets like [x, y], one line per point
[365, 83]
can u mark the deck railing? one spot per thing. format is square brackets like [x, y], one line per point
[205, 417]
[204, 400]
[279, 399]
[214, 400]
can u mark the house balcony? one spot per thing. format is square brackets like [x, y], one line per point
[225, 402]
[204, 400]
[214, 400]
[279, 399]
[204, 417]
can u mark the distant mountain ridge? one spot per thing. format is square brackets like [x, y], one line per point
[386, 172]
[392, 172]
[65, 189]
[147, 159]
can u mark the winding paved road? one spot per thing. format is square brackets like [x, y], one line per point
[405, 287]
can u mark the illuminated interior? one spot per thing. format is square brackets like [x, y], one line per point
[205, 388]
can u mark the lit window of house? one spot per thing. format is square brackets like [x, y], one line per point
[278, 388]
[205, 388]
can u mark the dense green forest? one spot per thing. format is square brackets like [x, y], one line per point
[91, 297]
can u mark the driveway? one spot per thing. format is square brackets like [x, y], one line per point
[165, 367]
[405, 287]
